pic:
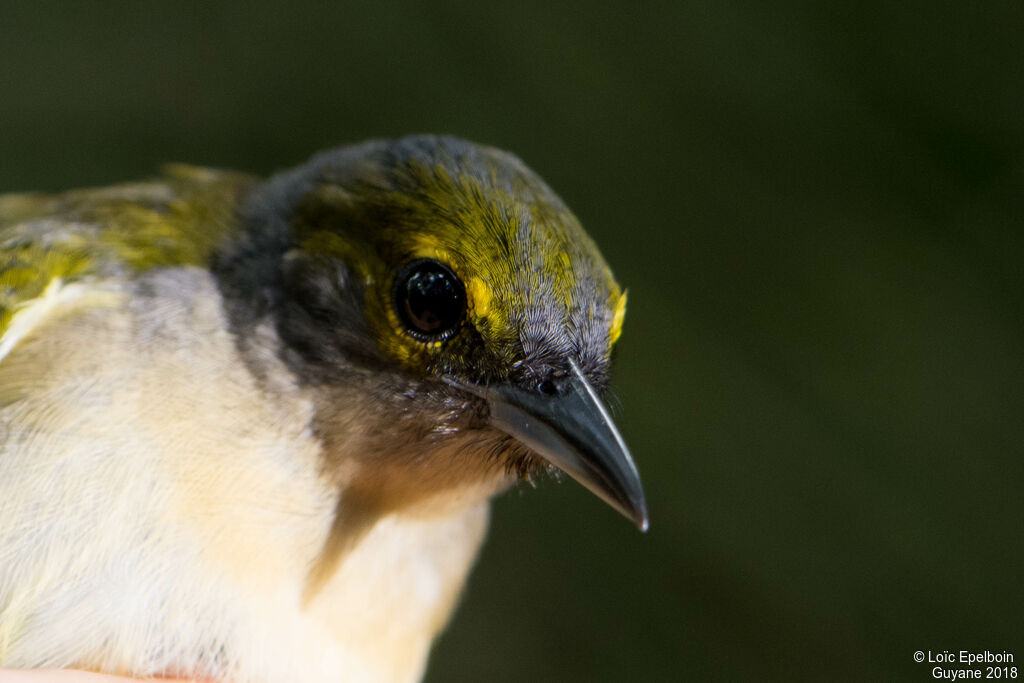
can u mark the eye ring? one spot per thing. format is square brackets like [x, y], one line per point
[429, 299]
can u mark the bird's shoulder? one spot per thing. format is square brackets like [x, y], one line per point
[56, 245]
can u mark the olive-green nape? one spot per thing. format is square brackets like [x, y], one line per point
[178, 219]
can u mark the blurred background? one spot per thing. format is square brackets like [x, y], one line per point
[818, 212]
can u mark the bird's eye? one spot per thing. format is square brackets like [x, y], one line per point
[430, 300]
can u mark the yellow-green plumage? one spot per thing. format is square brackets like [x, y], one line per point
[176, 220]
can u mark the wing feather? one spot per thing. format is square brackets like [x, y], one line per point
[55, 247]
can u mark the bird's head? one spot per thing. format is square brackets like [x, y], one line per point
[450, 310]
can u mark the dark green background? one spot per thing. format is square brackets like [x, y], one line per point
[818, 212]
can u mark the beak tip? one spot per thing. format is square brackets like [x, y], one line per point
[640, 518]
[573, 432]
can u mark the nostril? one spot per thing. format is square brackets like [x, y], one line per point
[548, 387]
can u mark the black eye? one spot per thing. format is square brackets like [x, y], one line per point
[430, 299]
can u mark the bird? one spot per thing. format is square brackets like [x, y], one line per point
[250, 428]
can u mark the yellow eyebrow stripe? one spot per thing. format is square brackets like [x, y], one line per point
[617, 318]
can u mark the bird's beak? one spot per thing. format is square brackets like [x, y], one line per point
[572, 430]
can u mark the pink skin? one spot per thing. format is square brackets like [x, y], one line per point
[54, 676]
